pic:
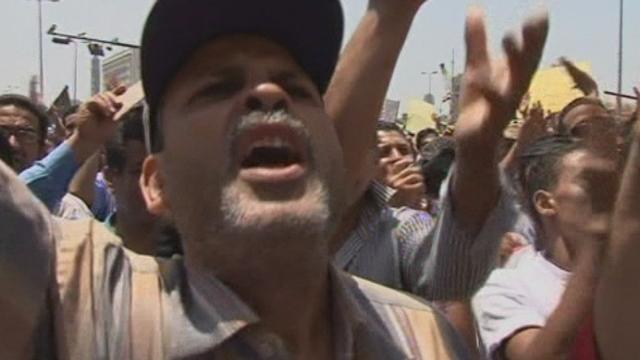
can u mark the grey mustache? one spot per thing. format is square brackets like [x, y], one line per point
[257, 118]
[280, 117]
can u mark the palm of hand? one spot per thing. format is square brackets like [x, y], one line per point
[492, 90]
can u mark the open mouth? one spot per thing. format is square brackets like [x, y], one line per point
[271, 154]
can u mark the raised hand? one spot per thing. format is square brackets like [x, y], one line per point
[493, 89]
[533, 128]
[583, 81]
[96, 118]
[406, 178]
[96, 122]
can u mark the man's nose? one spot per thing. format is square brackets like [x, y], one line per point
[396, 154]
[268, 97]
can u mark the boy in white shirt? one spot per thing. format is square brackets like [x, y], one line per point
[534, 308]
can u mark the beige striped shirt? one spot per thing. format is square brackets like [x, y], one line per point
[81, 295]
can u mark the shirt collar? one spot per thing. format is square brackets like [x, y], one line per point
[204, 313]
[224, 315]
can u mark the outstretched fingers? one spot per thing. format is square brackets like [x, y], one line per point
[534, 38]
[476, 39]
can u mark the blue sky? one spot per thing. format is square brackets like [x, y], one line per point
[580, 29]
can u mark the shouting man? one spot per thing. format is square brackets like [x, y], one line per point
[245, 160]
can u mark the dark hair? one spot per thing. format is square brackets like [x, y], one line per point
[130, 129]
[422, 134]
[585, 100]
[539, 167]
[389, 126]
[6, 153]
[25, 103]
[437, 158]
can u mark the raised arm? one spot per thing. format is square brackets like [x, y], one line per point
[618, 294]
[358, 88]
[491, 93]
[49, 178]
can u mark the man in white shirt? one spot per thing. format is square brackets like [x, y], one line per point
[534, 308]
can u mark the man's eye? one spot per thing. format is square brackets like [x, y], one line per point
[384, 152]
[219, 90]
[404, 150]
[26, 132]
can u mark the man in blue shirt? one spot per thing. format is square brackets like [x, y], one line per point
[49, 178]
[24, 125]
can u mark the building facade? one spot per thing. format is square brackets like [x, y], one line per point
[122, 68]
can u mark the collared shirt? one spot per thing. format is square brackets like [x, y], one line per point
[384, 240]
[405, 249]
[49, 178]
[73, 208]
[102, 301]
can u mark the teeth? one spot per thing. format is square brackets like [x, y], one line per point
[276, 142]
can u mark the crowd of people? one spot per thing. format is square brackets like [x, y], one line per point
[251, 206]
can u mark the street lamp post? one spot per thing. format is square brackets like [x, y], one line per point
[41, 55]
[620, 56]
[67, 41]
[41, 46]
[75, 72]
[429, 97]
[83, 38]
[97, 49]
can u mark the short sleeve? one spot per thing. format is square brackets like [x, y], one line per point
[502, 308]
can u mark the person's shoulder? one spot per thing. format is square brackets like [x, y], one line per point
[76, 232]
[80, 243]
[511, 280]
[417, 328]
[83, 235]
[381, 295]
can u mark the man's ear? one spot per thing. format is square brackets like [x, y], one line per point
[544, 203]
[151, 184]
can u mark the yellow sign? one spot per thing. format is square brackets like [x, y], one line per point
[554, 88]
[420, 115]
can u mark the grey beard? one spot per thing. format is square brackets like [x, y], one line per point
[316, 223]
